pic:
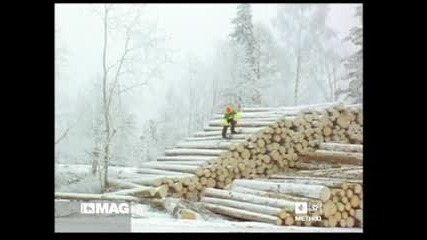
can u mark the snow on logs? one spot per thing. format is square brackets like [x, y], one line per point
[269, 147]
[254, 200]
[263, 148]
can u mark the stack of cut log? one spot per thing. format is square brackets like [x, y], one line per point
[271, 140]
[339, 201]
[334, 153]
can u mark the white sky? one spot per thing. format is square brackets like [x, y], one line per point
[193, 28]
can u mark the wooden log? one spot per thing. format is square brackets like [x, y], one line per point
[87, 197]
[344, 120]
[219, 128]
[327, 131]
[347, 206]
[243, 123]
[260, 143]
[201, 152]
[312, 191]
[152, 181]
[336, 157]
[242, 214]
[279, 203]
[186, 163]
[124, 184]
[142, 192]
[206, 145]
[346, 214]
[342, 147]
[359, 216]
[158, 172]
[329, 208]
[355, 201]
[219, 133]
[273, 211]
[357, 188]
[272, 194]
[350, 222]
[170, 167]
[329, 182]
[246, 154]
[211, 183]
[344, 200]
[186, 214]
[186, 158]
[213, 138]
[253, 115]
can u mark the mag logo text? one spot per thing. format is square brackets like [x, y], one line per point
[104, 208]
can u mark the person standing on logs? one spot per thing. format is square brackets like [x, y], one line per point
[230, 118]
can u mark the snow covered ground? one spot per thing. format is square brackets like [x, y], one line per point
[181, 225]
[147, 219]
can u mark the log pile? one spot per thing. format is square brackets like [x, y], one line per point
[271, 141]
[338, 201]
[266, 146]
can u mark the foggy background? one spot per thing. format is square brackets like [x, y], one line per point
[189, 68]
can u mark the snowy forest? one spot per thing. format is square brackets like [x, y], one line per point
[132, 80]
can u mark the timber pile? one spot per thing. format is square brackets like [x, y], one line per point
[273, 201]
[272, 140]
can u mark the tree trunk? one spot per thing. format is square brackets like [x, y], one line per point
[243, 214]
[157, 172]
[336, 157]
[342, 147]
[170, 167]
[298, 67]
[104, 173]
[206, 145]
[122, 184]
[243, 123]
[245, 206]
[312, 191]
[283, 204]
[142, 192]
[186, 158]
[211, 138]
[196, 152]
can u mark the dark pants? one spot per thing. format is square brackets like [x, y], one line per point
[224, 129]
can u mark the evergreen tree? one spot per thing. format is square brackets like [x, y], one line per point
[354, 63]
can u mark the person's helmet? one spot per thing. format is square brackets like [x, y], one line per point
[228, 110]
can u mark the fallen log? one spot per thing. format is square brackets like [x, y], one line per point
[359, 216]
[342, 147]
[170, 167]
[123, 184]
[271, 194]
[157, 172]
[336, 157]
[242, 214]
[210, 138]
[279, 203]
[247, 129]
[186, 158]
[273, 211]
[207, 145]
[311, 191]
[186, 163]
[243, 123]
[142, 192]
[253, 115]
[201, 152]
